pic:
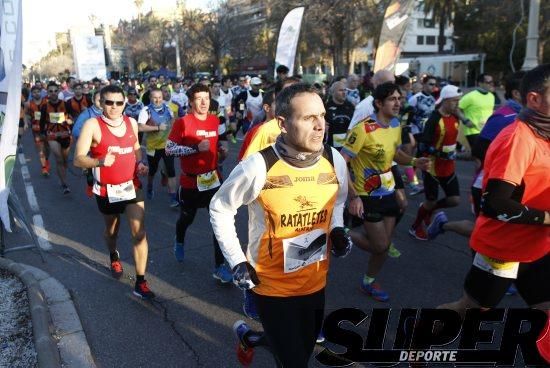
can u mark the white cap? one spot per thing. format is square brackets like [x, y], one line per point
[255, 81]
[449, 91]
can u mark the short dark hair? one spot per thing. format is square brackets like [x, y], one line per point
[78, 84]
[225, 79]
[52, 84]
[427, 78]
[535, 80]
[282, 69]
[511, 83]
[111, 88]
[33, 88]
[196, 88]
[68, 80]
[269, 97]
[283, 106]
[280, 84]
[383, 91]
[151, 76]
[215, 80]
[401, 80]
[481, 77]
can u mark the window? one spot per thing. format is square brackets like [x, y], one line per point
[430, 40]
[429, 23]
[419, 40]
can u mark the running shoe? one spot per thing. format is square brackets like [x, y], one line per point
[320, 337]
[511, 290]
[116, 268]
[233, 139]
[179, 251]
[415, 189]
[393, 252]
[45, 171]
[174, 203]
[65, 189]
[436, 227]
[223, 274]
[249, 305]
[375, 291]
[245, 352]
[419, 233]
[142, 290]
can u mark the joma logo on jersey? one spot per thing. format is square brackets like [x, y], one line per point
[304, 178]
[206, 133]
[120, 150]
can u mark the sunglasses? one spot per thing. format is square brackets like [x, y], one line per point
[111, 103]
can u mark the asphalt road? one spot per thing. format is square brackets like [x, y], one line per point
[189, 324]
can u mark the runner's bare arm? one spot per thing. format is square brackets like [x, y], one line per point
[85, 140]
[355, 205]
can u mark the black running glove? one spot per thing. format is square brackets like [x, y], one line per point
[244, 276]
[341, 242]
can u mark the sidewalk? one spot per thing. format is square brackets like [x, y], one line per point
[58, 337]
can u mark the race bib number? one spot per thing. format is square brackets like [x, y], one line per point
[387, 181]
[448, 149]
[304, 250]
[121, 192]
[241, 107]
[338, 140]
[37, 115]
[57, 117]
[207, 181]
[497, 267]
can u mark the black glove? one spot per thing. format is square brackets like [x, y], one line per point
[244, 276]
[341, 242]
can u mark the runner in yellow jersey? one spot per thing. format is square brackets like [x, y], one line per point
[371, 147]
[295, 191]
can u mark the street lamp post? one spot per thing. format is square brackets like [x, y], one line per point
[531, 60]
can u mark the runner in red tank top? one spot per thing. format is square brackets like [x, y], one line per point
[33, 109]
[116, 161]
[194, 138]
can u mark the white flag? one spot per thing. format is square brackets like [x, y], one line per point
[288, 39]
[10, 96]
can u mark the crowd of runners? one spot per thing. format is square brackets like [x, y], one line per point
[322, 168]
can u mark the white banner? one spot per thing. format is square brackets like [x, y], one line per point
[11, 26]
[288, 39]
[89, 57]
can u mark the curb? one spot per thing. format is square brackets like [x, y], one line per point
[58, 336]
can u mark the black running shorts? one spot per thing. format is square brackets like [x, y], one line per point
[532, 283]
[449, 184]
[376, 208]
[117, 208]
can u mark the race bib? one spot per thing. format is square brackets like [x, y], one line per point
[387, 181]
[304, 250]
[207, 181]
[57, 117]
[338, 140]
[241, 107]
[449, 148]
[121, 192]
[37, 115]
[496, 267]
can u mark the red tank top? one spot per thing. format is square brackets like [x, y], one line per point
[123, 169]
[189, 131]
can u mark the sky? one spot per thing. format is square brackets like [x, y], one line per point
[43, 18]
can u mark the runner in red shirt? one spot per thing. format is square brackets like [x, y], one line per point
[438, 142]
[511, 235]
[194, 138]
[116, 161]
